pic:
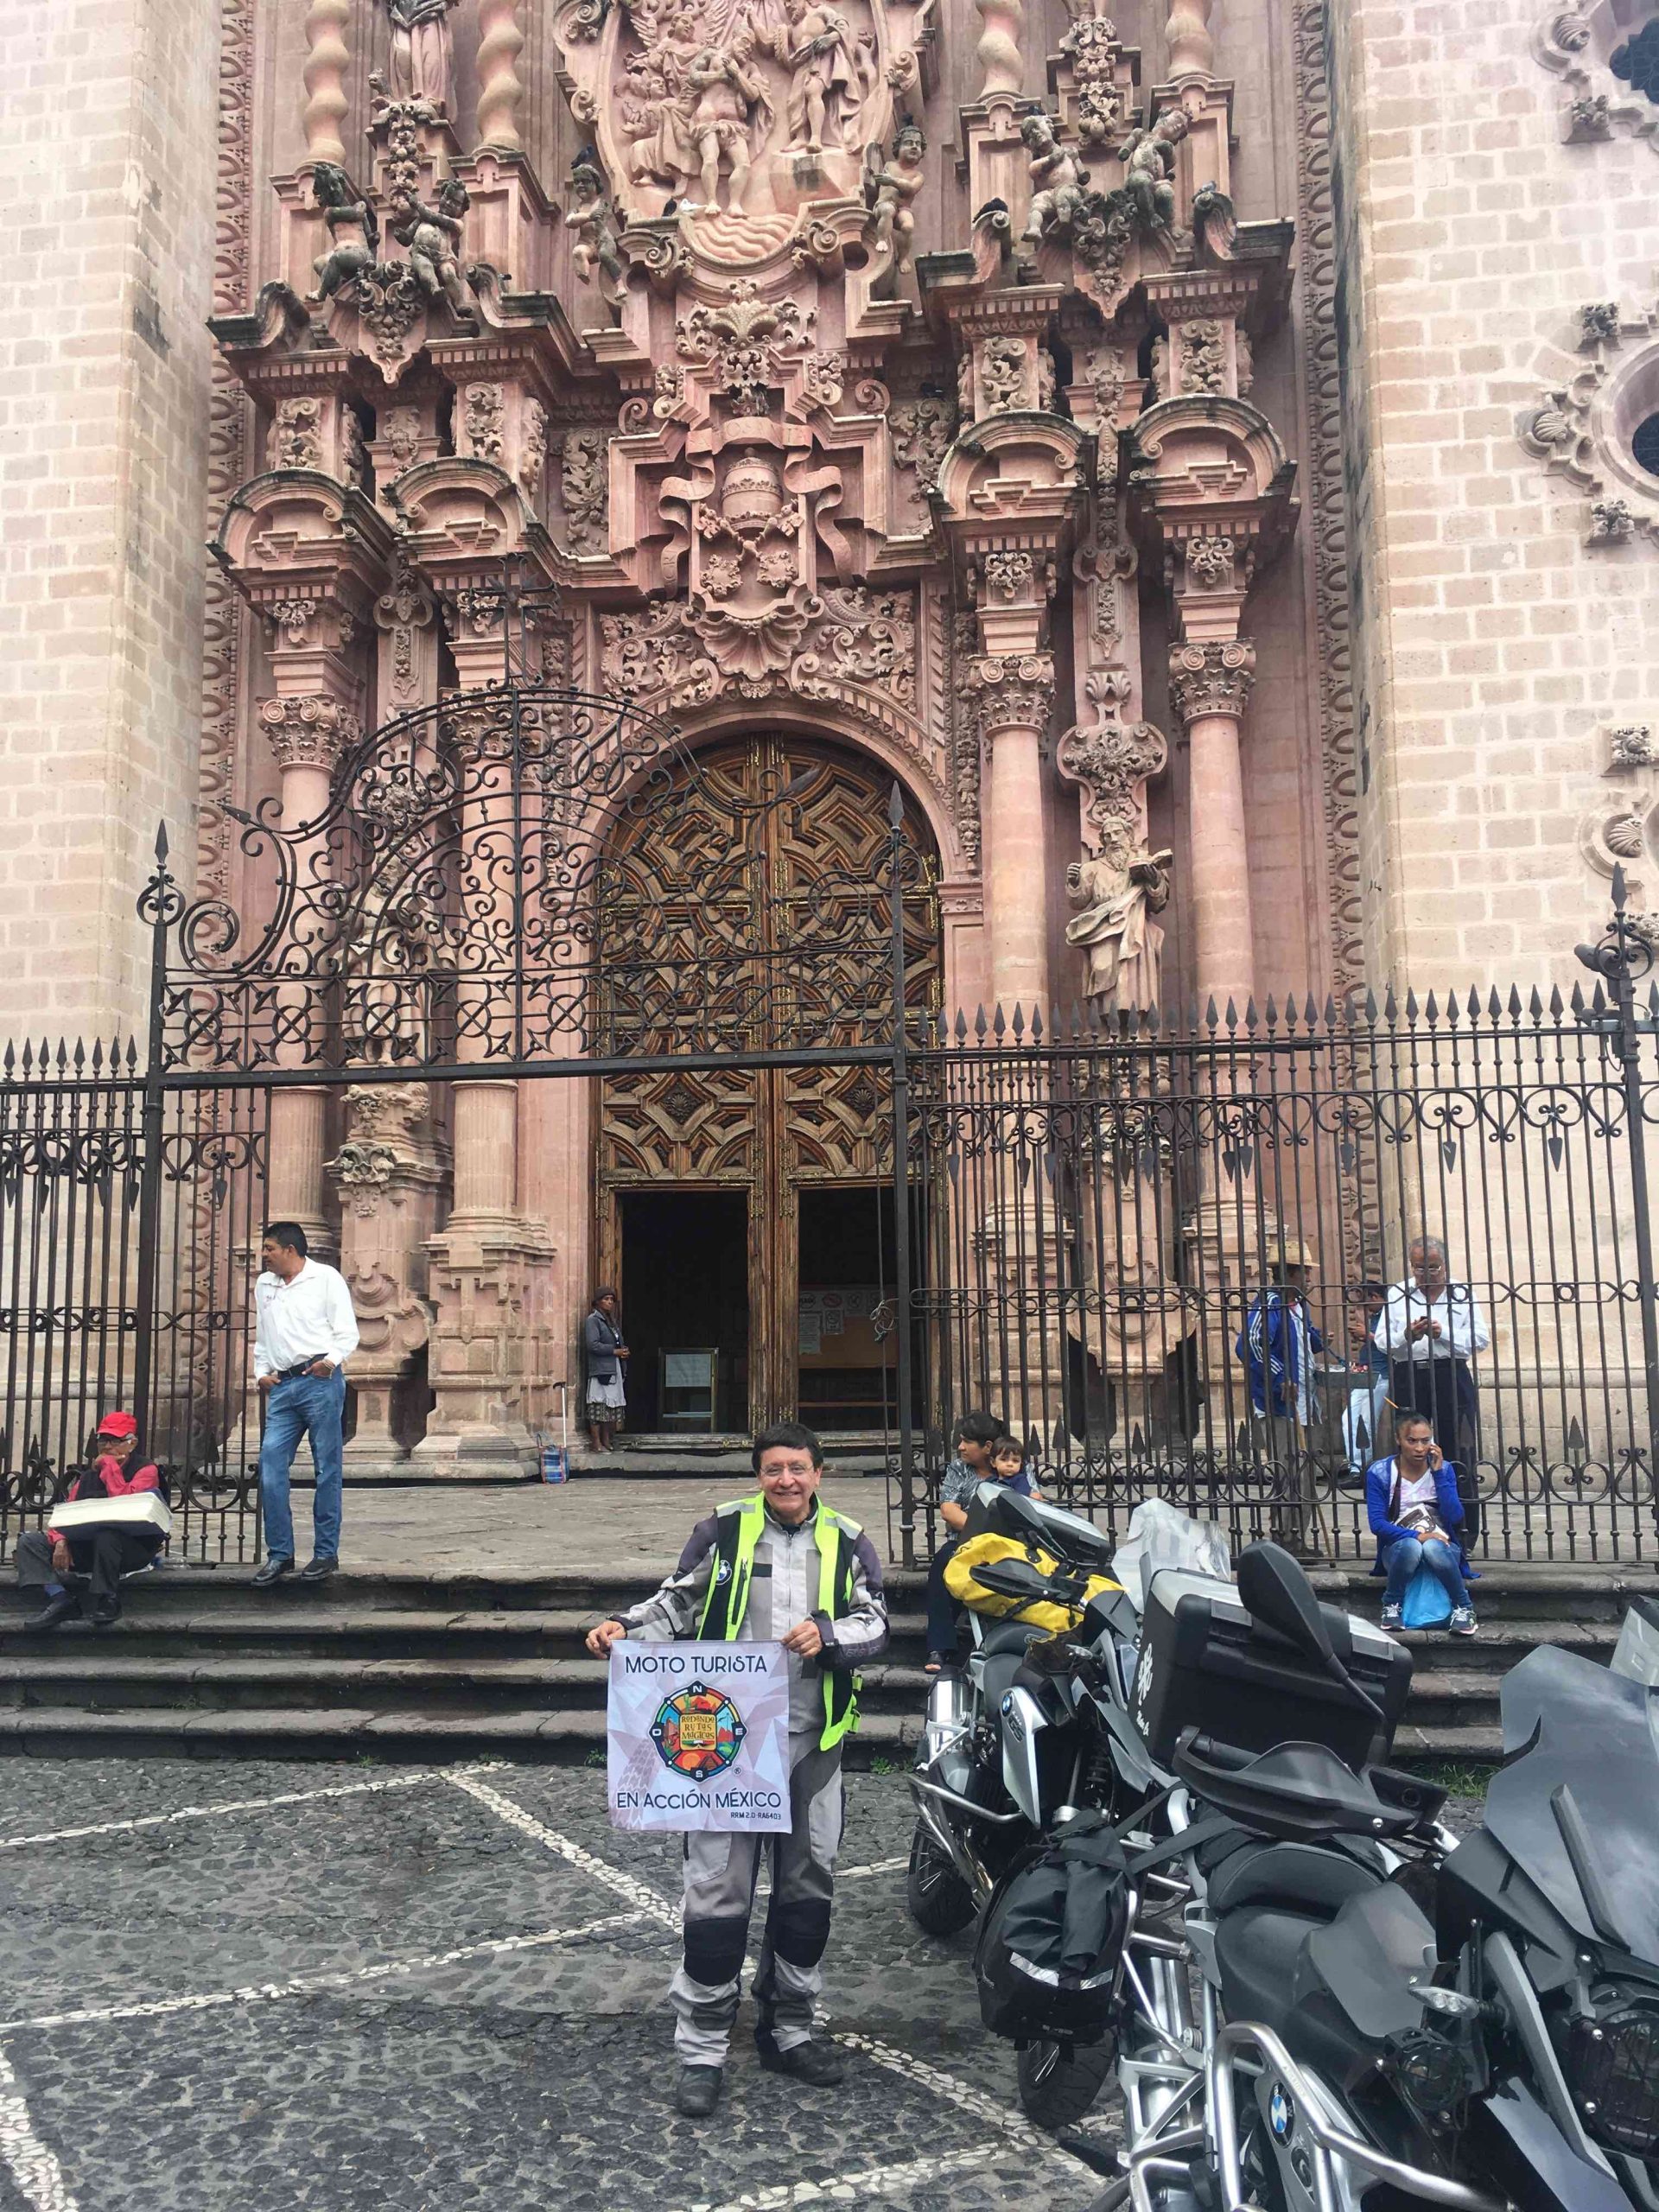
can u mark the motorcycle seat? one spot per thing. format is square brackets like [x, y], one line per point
[1305, 1878]
[1010, 1636]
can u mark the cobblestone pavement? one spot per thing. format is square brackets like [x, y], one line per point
[348, 1987]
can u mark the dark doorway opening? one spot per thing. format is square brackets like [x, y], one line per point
[685, 1307]
[848, 1355]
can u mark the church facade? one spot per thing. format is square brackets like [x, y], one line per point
[1205, 456]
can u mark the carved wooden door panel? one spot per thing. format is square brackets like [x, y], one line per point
[754, 915]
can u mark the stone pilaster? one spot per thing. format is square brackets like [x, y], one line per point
[1209, 688]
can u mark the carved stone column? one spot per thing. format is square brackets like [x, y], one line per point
[326, 63]
[1012, 696]
[499, 44]
[390, 1175]
[309, 733]
[491, 1262]
[1210, 687]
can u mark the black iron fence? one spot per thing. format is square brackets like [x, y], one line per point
[130, 1226]
[1212, 1265]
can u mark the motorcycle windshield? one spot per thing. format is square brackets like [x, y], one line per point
[1579, 1812]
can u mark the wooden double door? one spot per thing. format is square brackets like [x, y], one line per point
[746, 908]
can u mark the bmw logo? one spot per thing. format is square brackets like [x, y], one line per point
[1008, 1702]
[1280, 2113]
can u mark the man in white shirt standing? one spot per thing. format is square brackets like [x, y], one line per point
[305, 1330]
[1430, 1328]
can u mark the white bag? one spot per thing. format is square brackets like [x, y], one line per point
[1161, 1535]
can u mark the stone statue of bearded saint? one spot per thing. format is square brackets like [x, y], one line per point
[1119, 892]
[423, 53]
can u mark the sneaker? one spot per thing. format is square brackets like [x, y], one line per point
[1391, 1617]
[1462, 1622]
[697, 2091]
[939, 1661]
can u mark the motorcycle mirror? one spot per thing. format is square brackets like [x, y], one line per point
[1275, 1591]
[1012, 1577]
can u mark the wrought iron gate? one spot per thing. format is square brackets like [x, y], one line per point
[521, 883]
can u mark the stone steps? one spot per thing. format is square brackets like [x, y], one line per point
[399, 1665]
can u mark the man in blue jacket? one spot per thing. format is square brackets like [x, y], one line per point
[1412, 1502]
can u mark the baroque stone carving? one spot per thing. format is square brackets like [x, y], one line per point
[1202, 365]
[312, 731]
[1612, 522]
[422, 54]
[1209, 562]
[354, 231]
[404, 611]
[223, 611]
[296, 433]
[1120, 894]
[890, 187]
[921, 430]
[1057, 178]
[1004, 375]
[829, 76]
[1212, 678]
[1091, 47]
[1631, 746]
[432, 236]
[584, 487]
[399, 429]
[1010, 690]
[592, 221]
[1113, 761]
[1598, 323]
[484, 419]
[533, 449]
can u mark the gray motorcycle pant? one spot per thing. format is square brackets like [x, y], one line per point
[721, 1874]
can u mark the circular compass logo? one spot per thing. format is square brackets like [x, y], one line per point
[698, 1732]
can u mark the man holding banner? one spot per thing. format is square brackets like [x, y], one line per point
[782, 1569]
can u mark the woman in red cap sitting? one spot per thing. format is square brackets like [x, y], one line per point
[95, 1559]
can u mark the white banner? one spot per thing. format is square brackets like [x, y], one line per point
[699, 1737]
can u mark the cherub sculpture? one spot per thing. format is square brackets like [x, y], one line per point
[1148, 161]
[891, 184]
[1057, 180]
[353, 232]
[591, 217]
[432, 236]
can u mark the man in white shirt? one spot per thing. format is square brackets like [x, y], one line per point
[305, 1330]
[1430, 1328]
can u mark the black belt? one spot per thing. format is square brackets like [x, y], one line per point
[286, 1374]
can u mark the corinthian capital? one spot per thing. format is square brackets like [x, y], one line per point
[311, 732]
[1211, 679]
[1011, 690]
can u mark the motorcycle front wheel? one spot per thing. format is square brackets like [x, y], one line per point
[940, 1902]
[1055, 2090]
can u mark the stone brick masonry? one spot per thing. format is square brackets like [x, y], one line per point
[1498, 645]
[106, 155]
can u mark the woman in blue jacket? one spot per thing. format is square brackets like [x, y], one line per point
[1412, 1502]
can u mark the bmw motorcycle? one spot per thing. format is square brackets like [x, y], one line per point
[1366, 2013]
[1032, 1736]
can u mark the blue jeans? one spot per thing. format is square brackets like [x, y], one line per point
[1403, 1557]
[305, 1405]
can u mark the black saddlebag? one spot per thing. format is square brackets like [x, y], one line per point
[1050, 1938]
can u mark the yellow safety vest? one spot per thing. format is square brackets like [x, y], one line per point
[737, 1534]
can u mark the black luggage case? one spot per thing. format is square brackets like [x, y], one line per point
[1203, 1663]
